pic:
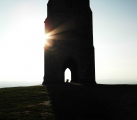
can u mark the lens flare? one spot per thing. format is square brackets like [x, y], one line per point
[48, 43]
[47, 40]
[47, 36]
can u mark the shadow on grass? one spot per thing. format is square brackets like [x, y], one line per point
[69, 102]
[77, 102]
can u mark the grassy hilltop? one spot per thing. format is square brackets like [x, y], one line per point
[69, 102]
[25, 103]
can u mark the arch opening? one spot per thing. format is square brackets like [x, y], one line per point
[67, 75]
[70, 70]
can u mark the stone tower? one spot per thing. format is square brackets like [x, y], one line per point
[69, 42]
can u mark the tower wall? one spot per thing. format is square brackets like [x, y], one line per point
[69, 24]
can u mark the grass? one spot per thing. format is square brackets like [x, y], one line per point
[25, 103]
[69, 102]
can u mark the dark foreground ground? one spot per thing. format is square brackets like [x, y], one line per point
[69, 102]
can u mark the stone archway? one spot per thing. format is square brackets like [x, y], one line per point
[71, 64]
[67, 74]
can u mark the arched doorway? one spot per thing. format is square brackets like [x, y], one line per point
[71, 66]
[67, 76]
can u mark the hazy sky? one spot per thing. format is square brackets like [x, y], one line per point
[115, 40]
[22, 40]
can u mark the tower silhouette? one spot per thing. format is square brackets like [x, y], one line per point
[69, 42]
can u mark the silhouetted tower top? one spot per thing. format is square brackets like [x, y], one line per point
[68, 5]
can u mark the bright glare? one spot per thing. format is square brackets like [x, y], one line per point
[67, 75]
[21, 48]
[47, 36]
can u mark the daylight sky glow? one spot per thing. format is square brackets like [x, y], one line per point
[22, 40]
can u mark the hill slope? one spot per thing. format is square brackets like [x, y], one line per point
[25, 103]
[69, 102]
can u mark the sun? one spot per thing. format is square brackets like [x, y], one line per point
[47, 40]
[47, 36]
